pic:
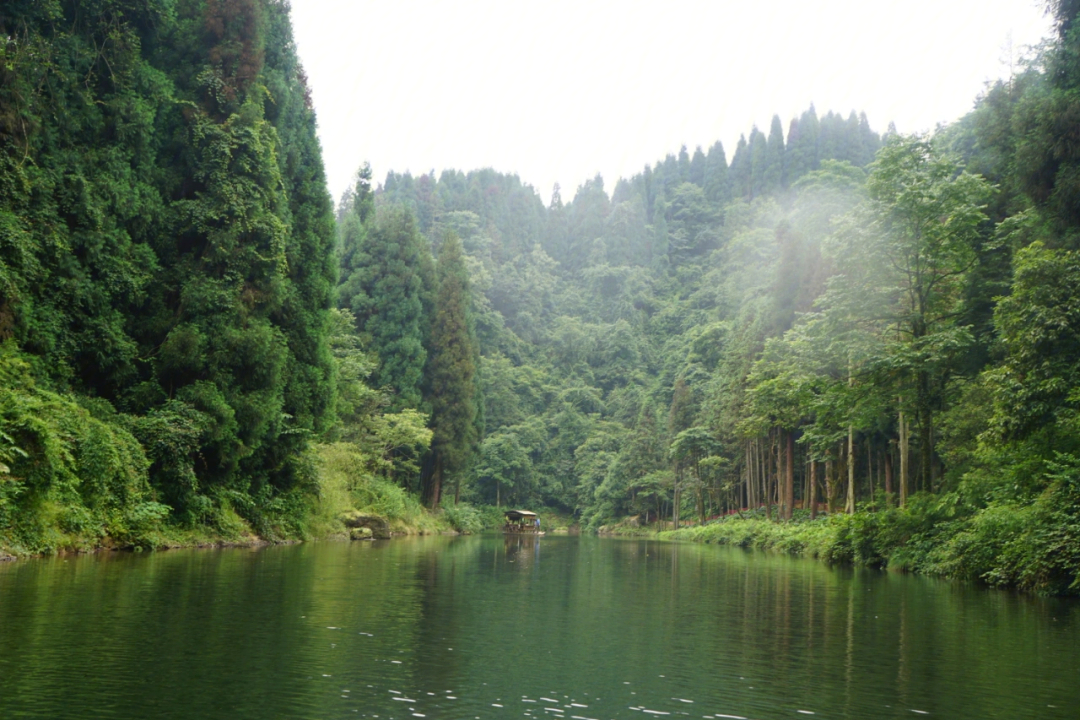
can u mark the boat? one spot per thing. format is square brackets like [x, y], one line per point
[522, 522]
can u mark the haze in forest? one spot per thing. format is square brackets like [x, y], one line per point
[558, 91]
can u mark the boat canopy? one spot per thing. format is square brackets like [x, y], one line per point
[515, 515]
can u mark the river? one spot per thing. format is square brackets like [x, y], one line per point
[493, 627]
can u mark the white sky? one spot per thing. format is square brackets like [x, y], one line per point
[557, 90]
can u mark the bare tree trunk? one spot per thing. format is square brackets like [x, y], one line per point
[850, 469]
[789, 478]
[888, 477]
[768, 482]
[926, 434]
[870, 469]
[750, 495]
[904, 460]
[436, 486]
[830, 492]
[812, 485]
[763, 475]
[675, 502]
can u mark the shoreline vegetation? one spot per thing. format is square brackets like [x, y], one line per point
[1019, 547]
[198, 345]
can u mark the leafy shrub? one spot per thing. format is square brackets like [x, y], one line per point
[69, 476]
[463, 517]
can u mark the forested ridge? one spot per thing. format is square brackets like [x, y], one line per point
[877, 328]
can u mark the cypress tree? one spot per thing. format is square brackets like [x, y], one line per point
[385, 291]
[452, 373]
[759, 161]
[357, 212]
[774, 158]
[809, 140]
[830, 132]
[870, 141]
[716, 174]
[739, 172]
[697, 167]
[794, 156]
[684, 165]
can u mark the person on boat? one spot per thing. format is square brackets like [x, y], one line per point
[537, 523]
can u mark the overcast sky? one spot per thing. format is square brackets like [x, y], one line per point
[557, 91]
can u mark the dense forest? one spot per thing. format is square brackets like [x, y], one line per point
[881, 329]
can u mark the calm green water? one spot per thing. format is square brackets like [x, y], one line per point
[483, 627]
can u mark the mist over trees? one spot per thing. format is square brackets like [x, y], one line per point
[832, 321]
[602, 322]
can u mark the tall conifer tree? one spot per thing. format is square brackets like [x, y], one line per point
[759, 162]
[774, 157]
[716, 174]
[739, 172]
[385, 291]
[452, 374]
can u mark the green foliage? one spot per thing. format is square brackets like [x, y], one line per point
[1038, 384]
[385, 291]
[69, 479]
[166, 245]
[345, 483]
[467, 519]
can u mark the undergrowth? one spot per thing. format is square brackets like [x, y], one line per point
[1034, 546]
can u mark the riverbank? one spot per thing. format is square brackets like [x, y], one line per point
[344, 488]
[1033, 547]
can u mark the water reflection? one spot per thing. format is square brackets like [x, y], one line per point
[480, 627]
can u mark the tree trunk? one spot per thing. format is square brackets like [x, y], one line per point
[850, 469]
[751, 494]
[870, 469]
[675, 503]
[436, 484]
[830, 492]
[904, 460]
[926, 434]
[768, 482]
[812, 486]
[888, 478]
[789, 478]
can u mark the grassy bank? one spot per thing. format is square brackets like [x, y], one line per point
[1032, 546]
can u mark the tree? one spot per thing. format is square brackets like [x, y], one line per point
[774, 177]
[1035, 388]
[452, 373]
[716, 174]
[902, 258]
[385, 292]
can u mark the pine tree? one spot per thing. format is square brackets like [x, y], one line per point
[452, 373]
